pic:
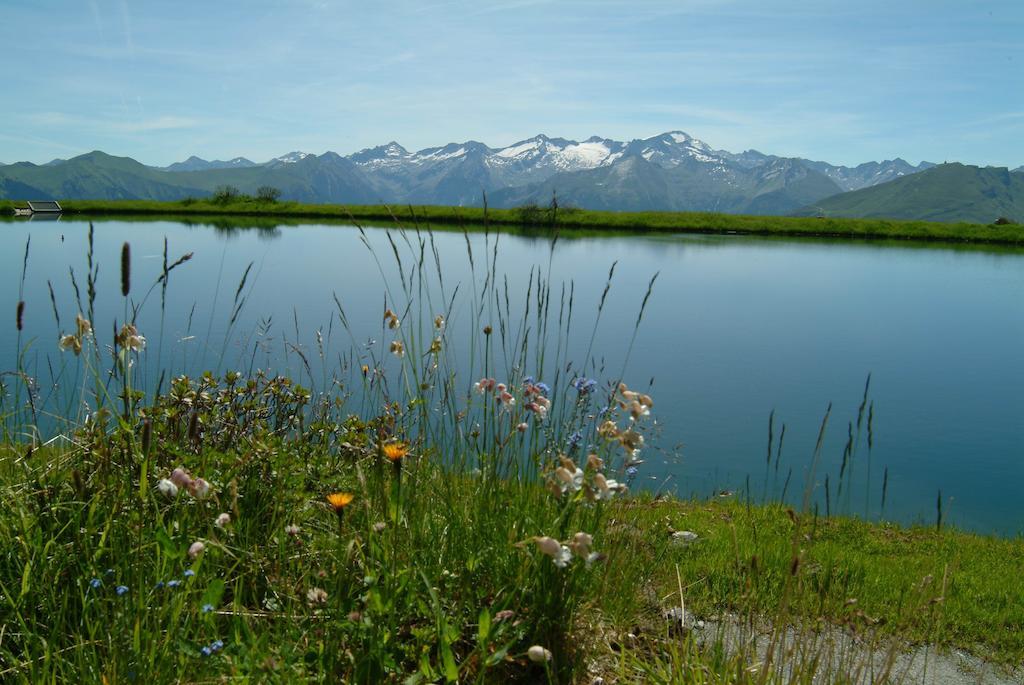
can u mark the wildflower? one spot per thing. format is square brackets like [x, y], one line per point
[167, 488]
[316, 596]
[484, 385]
[487, 330]
[538, 654]
[606, 489]
[435, 346]
[506, 399]
[338, 502]
[159, 585]
[521, 427]
[503, 615]
[83, 325]
[580, 544]
[206, 608]
[206, 651]
[439, 322]
[379, 527]
[196, 548]
[173, 583]
[397, 349]
[595, 462]
[71, 342]
[180, 477]
[128, 338]
[559, 553]
[575, 439]
[631, 471]
[95, 583]
[392, 319]
[222, 520]
[217, 645]
[189, 573]
[199, 488]
[608, 430]
[292, 529]
[631, 441]
[395, 451]
[121, 589]
[572, 480]
[584, 385]
[538, 409]
[365, 369]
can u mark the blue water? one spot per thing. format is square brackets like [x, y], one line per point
[735, 328]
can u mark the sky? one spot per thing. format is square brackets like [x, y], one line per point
[845, 82]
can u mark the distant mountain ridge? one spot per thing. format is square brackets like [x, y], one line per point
[670, 171]
[946, 192]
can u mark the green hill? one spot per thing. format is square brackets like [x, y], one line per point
[948, 192]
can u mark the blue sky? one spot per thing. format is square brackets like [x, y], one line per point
[846, 82]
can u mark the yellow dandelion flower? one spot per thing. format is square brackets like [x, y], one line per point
[395, 451]
[340, 500]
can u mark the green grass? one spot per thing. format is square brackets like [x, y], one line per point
[682, 222]
[434, 571]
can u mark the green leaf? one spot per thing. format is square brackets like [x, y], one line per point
[451, 671]
[214, 592]
[26, 578]
[170, 549]
[484, 628]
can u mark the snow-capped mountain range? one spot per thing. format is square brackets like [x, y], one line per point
[673, 171]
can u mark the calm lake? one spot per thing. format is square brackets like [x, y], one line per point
[735, 328]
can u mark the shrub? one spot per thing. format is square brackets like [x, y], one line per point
[225, 194]
[267, 194]
[1003, 221]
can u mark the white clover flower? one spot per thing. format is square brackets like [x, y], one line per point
[316, 596]
[222, 520]
[538, 654]
[196, 548]
[199, 488]
[167, 488]
[180, 477]
[292, 529]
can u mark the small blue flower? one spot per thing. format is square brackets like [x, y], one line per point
[173, 583]
[159, 585]
[528, 380]
[95, 583]
[110, 571]
[206, 608]
[575, 439]
[584, 385]
[217, 645]
[121, 589]
[544, 388]
[189, 573]
[604, 410]
[632, 471]
[206, 651]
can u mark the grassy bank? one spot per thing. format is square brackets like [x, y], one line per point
[403, 519]
[429, 574]
[683, 222]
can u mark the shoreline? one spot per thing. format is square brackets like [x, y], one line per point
[542, 219]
